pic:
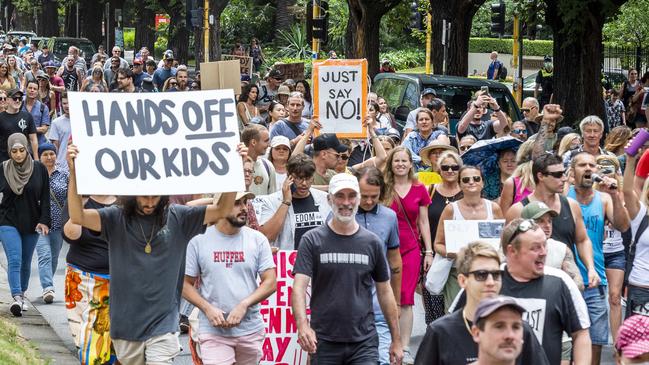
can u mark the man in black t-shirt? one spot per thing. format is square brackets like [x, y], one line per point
[342, 257]
[552, 301]
[479, 275]
[15, 120]
[472, 123]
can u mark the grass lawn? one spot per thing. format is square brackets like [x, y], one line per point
[14, 349]
[416, 70]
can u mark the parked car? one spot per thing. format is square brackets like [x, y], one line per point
[59, 47]
[17, 34]
[402, 92]
[39, 41]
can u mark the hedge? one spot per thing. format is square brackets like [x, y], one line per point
[530, 48]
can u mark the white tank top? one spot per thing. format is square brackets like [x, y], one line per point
[457, 215]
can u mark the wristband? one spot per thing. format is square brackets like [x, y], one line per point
[495, 111]
[287, 203]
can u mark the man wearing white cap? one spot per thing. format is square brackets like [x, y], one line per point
[343, 257]
[229, 257]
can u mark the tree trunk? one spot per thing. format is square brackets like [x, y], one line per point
[367, 16]
[49, 18]
[69, 26]
[91, 22]
[145, 27]
[283, 16]
[350, 35]
[460, 15]
[216, 9]
[577, 64]
[25, 20]
[198, 47]
[178, 36]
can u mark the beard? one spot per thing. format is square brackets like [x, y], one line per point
[237, 221]
[343, 218]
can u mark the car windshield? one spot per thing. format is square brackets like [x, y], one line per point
[61, 47]
[457, 99]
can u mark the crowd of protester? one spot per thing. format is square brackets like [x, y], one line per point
[366, 217]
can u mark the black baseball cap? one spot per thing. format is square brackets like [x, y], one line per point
[13, 92]
[275, 74]
[428, 91]
[327, 141]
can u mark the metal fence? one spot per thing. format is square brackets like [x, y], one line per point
[619, 58]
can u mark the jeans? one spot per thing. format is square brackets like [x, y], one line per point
[347, 353]
[19, 249]
[48, 248]
[385, 340]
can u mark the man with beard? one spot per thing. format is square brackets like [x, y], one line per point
[182, 76]
[148, 238]
[343, 257]
[597, 208]
[472, 122]
[124, 81]
[229, 257]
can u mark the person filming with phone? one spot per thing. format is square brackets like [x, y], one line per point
[477, 120]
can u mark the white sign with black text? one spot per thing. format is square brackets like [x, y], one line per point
[460, 233]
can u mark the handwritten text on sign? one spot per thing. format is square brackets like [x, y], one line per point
[156, 143]
[280, 346]
[341, 96]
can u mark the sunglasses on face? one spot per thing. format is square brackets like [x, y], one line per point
[555, 174]
[482, 275]
[523, 227]
[450, 167]
[467, 179]
[17, 98]
[520, 131]
[464, 148]
[2, 98]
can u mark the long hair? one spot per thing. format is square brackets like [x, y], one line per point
[388, 174]
[564, 145]
[246, 92]
[617, 138]
[307, 89]
[129, 206]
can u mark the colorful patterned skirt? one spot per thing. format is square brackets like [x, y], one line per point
[87, 303]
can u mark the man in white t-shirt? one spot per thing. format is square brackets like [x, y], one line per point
[257, 139]
[60, 132]
[229, 258]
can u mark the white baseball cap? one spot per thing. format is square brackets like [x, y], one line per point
[343, 181]
[280, 140]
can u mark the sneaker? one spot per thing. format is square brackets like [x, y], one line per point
[48, 297]
[407, 358]
[25, 307]
[184, 324]
[17, 307]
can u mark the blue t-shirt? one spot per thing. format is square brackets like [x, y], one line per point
[493, 66]
[282, 128]
[161, 75]
[41, 117]
[593, 215]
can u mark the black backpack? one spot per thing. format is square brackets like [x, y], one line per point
[503, 73]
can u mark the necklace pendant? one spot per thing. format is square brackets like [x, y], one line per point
[147, 248]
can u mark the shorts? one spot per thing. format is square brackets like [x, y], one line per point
[220, 350]
[597, 303]
[158, 349]
[352, 353]
[615, 260]
[637, 301]
[566, 350]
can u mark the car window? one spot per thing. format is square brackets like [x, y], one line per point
[411, 97]
[61, 47]
[391, 90]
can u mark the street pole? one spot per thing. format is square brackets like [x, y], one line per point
[78, 21]
[315, 42]
[517, 61]
[206, 30]
[429, 33]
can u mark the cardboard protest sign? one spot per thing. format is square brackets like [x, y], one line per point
[460, 233]
[293, 71]
[221, 75]
[245, 63]
[340, 96]
[156, 143]
[280, 346]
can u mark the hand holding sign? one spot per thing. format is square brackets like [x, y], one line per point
[71, 156]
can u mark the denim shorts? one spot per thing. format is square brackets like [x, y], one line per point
[637, 301]
[597, 303]
[615, 260]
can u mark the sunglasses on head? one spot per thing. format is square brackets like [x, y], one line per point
[467, 179]
[450, 167]
[555, 174]
[482, 275]
[522, 227]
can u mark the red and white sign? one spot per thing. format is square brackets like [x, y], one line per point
[280, 346]
[161, 19]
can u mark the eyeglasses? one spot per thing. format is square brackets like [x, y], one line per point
[467, 179]
[17, 98]
[2, 98]
[555, 174]
[299, 179]
[520, 131]
[450, 167]
[464, 148]
[248, 171]
[482, 275]
[523, 227]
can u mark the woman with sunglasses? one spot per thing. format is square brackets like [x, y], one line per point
[170, 84]
[466, 142]
[409, 200]
[24, 214]
[441, 195]
[7, 82]
[95, 78]
[471, 207]
[3, 101]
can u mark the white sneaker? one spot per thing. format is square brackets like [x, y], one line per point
[17, 307]
[48, 297]
[407, 358]
[25, 307]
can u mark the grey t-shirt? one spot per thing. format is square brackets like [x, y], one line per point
[228, 266]
[145, 288]
[61, 131]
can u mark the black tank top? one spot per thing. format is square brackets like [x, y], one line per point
[563, 225]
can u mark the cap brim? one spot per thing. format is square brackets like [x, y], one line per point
[544, 212]
[244, 194]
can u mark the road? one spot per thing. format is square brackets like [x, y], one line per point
[55, 313]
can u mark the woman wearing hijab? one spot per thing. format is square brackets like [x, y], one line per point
[24, 213]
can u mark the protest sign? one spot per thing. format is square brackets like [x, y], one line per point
[294, 71]
[460, 233]
[221, 75]
[245, 63]
[156, 143]
[340, 96]
[280, 346]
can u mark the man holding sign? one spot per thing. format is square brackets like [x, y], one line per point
[147, 238]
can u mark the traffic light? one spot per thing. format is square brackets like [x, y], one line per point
[498, 18]
[415, 16]
[317, 28]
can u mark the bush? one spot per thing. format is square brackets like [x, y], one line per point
[129, 38]
[530, 48]
[405, 58]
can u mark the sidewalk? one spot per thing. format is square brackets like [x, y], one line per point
[33, 326]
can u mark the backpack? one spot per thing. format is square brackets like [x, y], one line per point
[502, 74]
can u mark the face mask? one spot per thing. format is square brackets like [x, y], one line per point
[548, 65]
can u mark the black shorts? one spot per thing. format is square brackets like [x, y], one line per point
[347, 353]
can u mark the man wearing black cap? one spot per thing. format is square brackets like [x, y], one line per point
[498, 331]
[544, 80]
[45, 55]
[427, 95]
[15, 120]
[326, 154]
[166, 71]
[268, 92]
